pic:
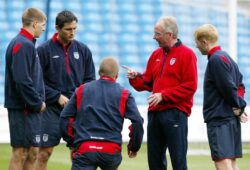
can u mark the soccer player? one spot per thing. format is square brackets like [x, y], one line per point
[171, 75]
[93, 119]
[224, 105]
[66, 64]
[24, 91]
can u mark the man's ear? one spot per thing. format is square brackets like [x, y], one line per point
[34, 23]
[116, 77]
[203, 41]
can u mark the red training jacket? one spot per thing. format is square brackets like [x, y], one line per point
[174, 74]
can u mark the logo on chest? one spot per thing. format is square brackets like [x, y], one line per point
[56, 56]
[76, 55]
[172, 61]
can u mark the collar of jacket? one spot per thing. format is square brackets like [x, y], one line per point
[108, 78]
[212, 51]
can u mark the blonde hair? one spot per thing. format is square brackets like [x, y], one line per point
[207, 32]
[109, 67]
[169, 25]
[33, 14]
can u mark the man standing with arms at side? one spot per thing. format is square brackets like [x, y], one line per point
[66, 64]
[171, 75]
[93, 120]
[24, 91]
[223, 107]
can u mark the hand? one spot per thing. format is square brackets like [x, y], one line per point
[154, 99]
[131, 74]
[43, 107]
[244, 117]
[131, 154]
[236, 111]
[63, 100]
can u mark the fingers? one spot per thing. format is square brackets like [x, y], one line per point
[154, 99]
[236, 111]
[244, 117]
[126, 67]
[131, 74]
[132, 154]
[43, 107]
[63, 100]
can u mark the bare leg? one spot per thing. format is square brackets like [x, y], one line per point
[225, 164]
[29, 163]
[19, 155]
[43, 157]
[234, 164]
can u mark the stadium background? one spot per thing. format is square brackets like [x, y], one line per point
[124, 29]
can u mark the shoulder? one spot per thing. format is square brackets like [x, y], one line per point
[156, 53]
[22, 44]
[123, 90]
[80, 44]
[186, 49]
[220, 57]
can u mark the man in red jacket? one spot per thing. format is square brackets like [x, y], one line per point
[171, 76]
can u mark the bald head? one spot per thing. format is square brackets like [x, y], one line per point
[109, 67]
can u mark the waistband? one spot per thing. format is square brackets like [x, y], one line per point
[99, 146]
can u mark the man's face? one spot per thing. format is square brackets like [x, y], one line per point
[201, 45]
[161, 36]
[67, 32]
[39, 27]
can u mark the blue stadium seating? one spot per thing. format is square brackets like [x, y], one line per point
[124, 29]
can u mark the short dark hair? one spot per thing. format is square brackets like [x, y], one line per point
[65, 17]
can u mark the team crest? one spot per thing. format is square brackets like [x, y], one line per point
[172, 61]
[45, 137]
[38, 138]
[76, 55]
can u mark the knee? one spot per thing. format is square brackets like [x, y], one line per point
[223, 164]
[44, 155]
[32, 155]
[19, 154]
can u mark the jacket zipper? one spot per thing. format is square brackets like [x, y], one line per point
[164, 60]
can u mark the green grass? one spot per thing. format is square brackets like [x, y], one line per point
[60, 158]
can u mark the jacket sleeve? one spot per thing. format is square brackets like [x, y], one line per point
[22, 61]
[144, 81]
[89, 66]
[188, 84]
[136, 128]
[67, 119]
[225, 83]
[52, 95]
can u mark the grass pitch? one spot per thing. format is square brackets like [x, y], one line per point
[198, 158]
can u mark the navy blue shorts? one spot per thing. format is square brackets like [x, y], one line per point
[225, 140]
[24, 128]
[92, 160]
[50, 130]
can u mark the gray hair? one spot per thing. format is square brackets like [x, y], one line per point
[169, 24]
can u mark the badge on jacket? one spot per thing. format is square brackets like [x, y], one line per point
[76, 55]
[172, 61]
